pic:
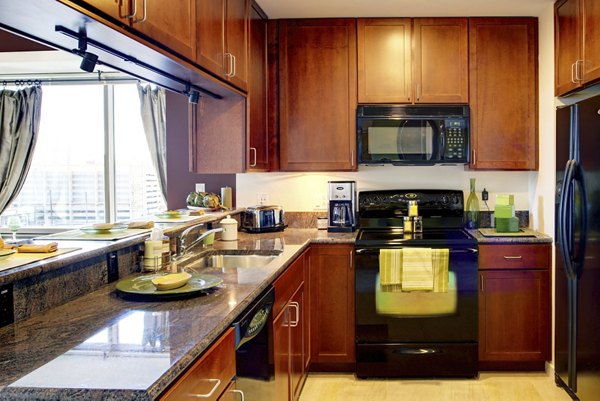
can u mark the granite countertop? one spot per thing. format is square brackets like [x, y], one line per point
[526, 236]
[102, 346]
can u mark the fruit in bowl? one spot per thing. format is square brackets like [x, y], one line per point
[203, 199]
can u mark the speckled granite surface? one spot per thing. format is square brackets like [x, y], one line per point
[102, 346]
[531, 237]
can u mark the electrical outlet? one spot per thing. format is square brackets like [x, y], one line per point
[263, 199]
[320, 202]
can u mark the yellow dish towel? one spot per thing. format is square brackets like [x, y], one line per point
[417, 269]
[390, 269]
[440, 259]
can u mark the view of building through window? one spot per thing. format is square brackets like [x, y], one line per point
[69, 177]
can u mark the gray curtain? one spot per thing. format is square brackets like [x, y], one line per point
[19, 128]
[154, 111]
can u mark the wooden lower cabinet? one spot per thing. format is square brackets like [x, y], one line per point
[289, 339]
[514, 307]
[208, 378]
[332, 308]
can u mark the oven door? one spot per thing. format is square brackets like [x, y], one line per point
[399, 316]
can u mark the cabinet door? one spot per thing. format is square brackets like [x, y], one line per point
[440, 63]
[332, 306]
[236, 23]
[209, 376]
[317, 62]
[591, 40]
[117, 9]
[258, 134]
[567, 43]
[172, 24]
[514, 318]
[384, 60]
[281, 350]
[503, 93]
[210, 42]
[297, 351]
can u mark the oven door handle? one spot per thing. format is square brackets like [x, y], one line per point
[373, 251]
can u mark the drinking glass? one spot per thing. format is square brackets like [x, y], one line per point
[13, 225]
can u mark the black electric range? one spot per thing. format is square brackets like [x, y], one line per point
[410, 333]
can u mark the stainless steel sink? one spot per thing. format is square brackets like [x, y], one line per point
[230, 260]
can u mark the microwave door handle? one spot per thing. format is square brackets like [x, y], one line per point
[442, 143]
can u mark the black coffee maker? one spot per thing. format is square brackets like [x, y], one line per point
[342, 206]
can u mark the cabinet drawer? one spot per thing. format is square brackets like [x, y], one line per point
[518, 256]
[209, 376]
[288, 283]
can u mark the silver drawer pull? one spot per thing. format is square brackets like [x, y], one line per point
[240, 392]
[513, 257]
[209, 394]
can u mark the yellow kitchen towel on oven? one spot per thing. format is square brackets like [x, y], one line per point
[417, 269]
[390, 269]
[440, 259]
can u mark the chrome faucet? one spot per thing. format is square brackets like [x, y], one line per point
[182, 248]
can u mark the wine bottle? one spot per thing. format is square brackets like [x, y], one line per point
[472, 209]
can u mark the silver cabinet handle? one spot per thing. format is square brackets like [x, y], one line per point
[229, 72]
[513, 257]
[211, 392]
[573, 73]
[240, 392]
[577, 77]
[352, 158]
[296, 306]
[234, 69]
[474, 161]
[418, 92]
[481, 282]
[143, 19]
[253, 164]
[130, 15]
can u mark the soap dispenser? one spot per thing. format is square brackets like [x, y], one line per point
[230, 227]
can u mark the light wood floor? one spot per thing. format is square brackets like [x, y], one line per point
[488, 387]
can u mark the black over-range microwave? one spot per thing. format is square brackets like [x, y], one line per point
[413, 134]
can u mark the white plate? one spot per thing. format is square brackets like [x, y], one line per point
[5, 253]
[206, 209]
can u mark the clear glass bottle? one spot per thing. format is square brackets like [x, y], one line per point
[472, 208]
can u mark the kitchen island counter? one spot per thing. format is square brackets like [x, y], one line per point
[102, 346]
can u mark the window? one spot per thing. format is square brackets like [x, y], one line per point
[91, 162]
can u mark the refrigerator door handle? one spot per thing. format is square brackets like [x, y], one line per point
[565, 239]
[583, 209]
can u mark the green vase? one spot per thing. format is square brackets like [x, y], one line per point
[472, 209]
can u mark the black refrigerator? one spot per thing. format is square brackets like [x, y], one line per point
[577, 239]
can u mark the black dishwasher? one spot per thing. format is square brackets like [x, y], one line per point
[254, 349]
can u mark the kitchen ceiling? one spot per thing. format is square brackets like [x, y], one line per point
[401, 8]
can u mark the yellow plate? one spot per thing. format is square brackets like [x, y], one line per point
[141, 287]
[5, 253]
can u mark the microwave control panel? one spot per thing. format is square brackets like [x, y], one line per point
[456, 134]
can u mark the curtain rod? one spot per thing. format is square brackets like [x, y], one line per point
[64, 79]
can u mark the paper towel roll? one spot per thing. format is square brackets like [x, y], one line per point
[226, 197]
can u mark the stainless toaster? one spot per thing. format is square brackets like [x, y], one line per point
[262, 219]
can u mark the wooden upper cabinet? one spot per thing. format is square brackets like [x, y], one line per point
[222, 38]
[117, 9]
[384, 60]
[503, 93]
[257, 155]
[171, 24]
[440, 62]
[567, 45]
[576, 44]
[421, 60]
[317, 95]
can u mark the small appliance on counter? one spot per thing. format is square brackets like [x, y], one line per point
[342, 206]
[263, 219]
